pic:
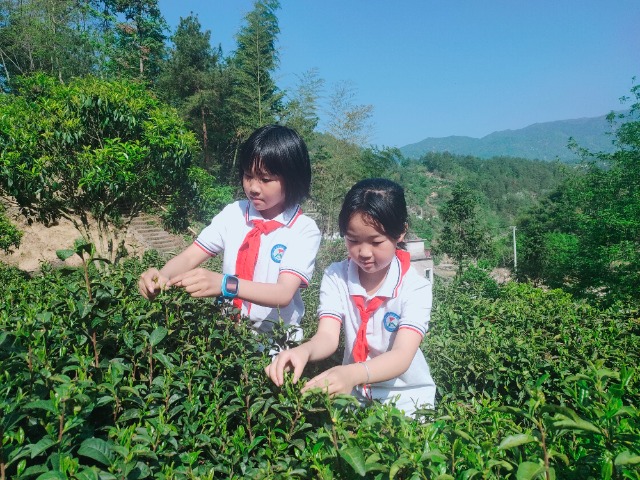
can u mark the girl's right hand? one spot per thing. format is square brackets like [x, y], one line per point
[285, 361]
[151, 283]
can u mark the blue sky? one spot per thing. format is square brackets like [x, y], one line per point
[440, 68]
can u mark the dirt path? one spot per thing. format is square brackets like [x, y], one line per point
[39, 243]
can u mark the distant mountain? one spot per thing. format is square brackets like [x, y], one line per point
[541, 141]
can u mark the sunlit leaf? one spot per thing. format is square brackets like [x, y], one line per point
[627, 458]
[98, 450]
[529, 471]
[42, 404]
[53, 476]
[516, 440]
[354, 457]
[397, 466]
[577, 425]
[64, 254]
[157, 335]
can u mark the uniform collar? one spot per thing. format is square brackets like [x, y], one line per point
[389, 287]
[286, 218]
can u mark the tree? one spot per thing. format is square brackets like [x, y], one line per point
[90, 149]
[301, 110]
[335, 167]
[193, 81]
[45, 36]
[342, 161]
[348, 121]
[463, 237]
[597, 216]
[256, 99]
[135, 47]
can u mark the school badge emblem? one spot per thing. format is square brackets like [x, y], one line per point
[277, 252]
[391, 321]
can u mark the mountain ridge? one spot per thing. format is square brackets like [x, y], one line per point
[539, 141]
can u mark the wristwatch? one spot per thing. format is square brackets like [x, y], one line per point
[230, 285]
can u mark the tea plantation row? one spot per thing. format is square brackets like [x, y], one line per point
[98, 383]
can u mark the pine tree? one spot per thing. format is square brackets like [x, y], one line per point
[195, 81]
[135, 47]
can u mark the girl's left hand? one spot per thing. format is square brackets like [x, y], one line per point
[198, 282]
[336, 380]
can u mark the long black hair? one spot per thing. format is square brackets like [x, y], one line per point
[278, 150]
[380, 201]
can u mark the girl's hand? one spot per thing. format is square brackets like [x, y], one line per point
[198, 282]
[295, 359]
[151, 283]
[340, 379]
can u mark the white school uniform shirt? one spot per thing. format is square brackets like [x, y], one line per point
[291, 249]
[408, 306]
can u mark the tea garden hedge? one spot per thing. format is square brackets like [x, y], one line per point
[98, 383]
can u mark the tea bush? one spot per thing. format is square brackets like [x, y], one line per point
[10, 236]
[98, 383]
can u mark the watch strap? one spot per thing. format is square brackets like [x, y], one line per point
[226, 293]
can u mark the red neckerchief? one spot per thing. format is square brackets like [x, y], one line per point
[248, 252]
[361, 346]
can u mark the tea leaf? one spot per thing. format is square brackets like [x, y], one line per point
[529, 471]
[157, 336]
[354, 457]
[464, 435]
[577, 425]
[627, 458]
[435, 456]
[64, 254]
[53, 476]
[88, 474]
[516, 440]
[43, 445]
[42, 404]
[397, 466]
[98, 450]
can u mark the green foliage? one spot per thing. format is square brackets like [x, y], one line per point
[53, 37]
[199, 200]
[301, 109]
[335, 168]
[208, 197]
[100, 383]
[133, 39]
[195, 82]
[90, 148]
[256, 99]
[10, 236]
[586, 237]
[463, 236]
[493, 340]
[507, 185]
[348, 121]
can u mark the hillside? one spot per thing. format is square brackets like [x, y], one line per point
[542, 141]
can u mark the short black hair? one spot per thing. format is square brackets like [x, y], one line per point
[279, 150]
[379, 200]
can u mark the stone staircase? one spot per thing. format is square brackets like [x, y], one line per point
[147, 230]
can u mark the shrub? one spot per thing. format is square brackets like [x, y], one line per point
[10, 236]
[96, 382]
